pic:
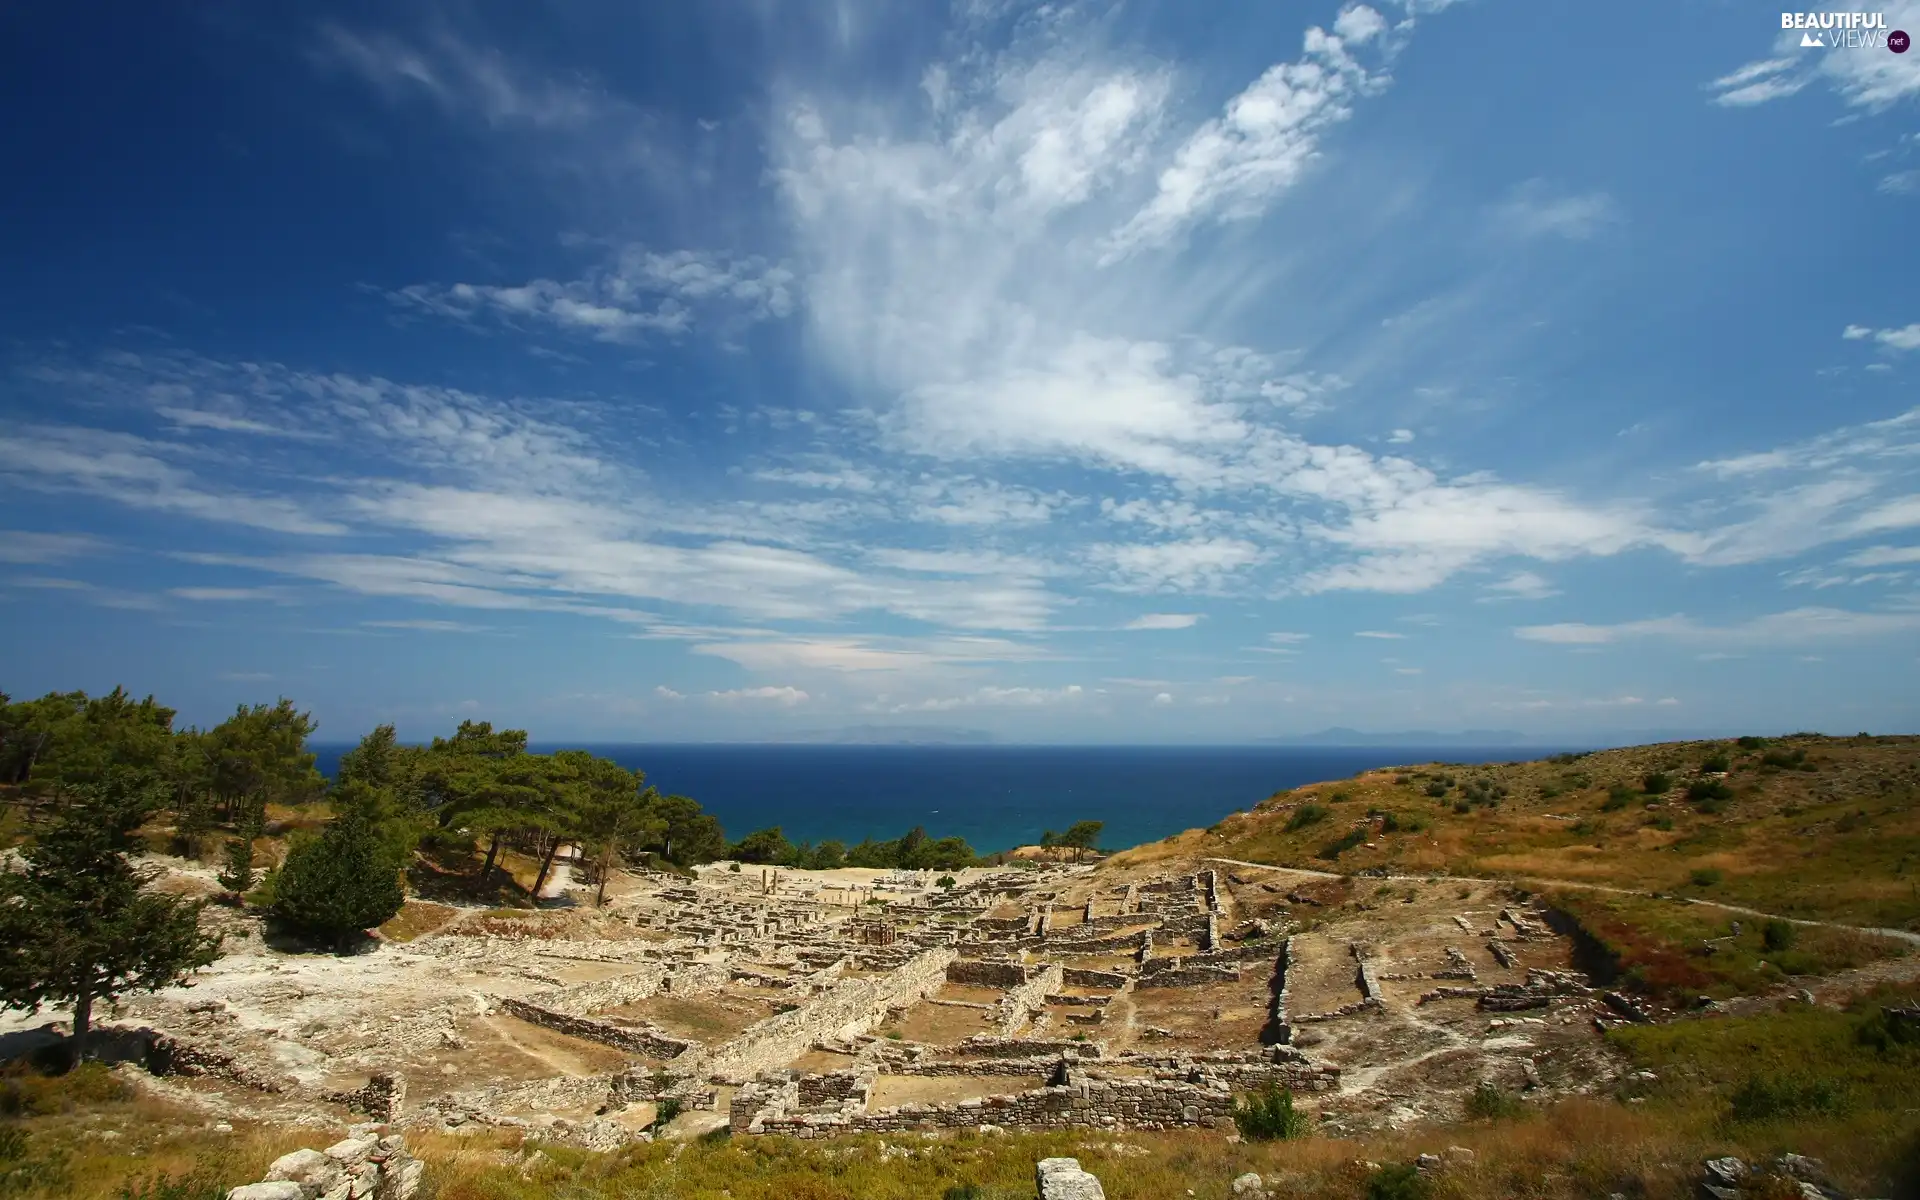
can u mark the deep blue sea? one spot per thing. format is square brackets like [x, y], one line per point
[995, 797]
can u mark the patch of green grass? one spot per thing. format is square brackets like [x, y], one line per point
[1489, 1103]
[1342, 844]
[1307, 814]
[1269, 1115]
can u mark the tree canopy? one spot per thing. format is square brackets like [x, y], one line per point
[78, 924]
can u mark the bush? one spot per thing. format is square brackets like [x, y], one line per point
[1707, 791]
[1269, 1115]
[237, 875]
[1489, 1103]
[1436, 789]
[1342, 844]
[1618, 797]
[1714, 764]
[339, 883]
[1886, 1034]
[1307, 814]
[1778, 935]
[1752, 743]
[1398, 1181]
[1655, 783]
[1705, 876]
[1784, 759]
[1764, 1097]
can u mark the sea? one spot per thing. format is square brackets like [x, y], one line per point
[996, 797]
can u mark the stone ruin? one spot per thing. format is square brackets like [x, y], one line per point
[782, 1002]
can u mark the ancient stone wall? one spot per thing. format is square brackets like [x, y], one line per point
[850, 1006]
[1187, 976]
[989, 974]
[1106, 1104]
[1019, 1003]
[1084, 977]
[582, 998]
[644, 1041]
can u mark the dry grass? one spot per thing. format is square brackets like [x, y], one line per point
[417, 918]
[1812, 827]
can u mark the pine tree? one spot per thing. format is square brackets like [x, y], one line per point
[238, 874]
[339, 883]
[78, 925]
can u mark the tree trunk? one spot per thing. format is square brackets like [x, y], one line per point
[546, 864]
[493, 851]
[82, 1023]
[606, 868]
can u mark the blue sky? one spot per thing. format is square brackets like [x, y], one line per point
[1074, 373]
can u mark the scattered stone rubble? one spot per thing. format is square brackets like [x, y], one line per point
[369, 1163]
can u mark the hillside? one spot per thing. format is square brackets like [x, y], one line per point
[1806, 826]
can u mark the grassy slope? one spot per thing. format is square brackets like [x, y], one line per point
[1835, 837]
[1864, 1125]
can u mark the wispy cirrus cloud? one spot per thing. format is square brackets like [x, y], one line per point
[1796, 626]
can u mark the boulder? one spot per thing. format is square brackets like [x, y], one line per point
[1249, 1186]
[352, 1152]
[313, 1171]
[1063, 1179]
[1721, 1178]
[276, 1190]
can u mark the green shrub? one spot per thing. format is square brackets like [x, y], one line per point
[1777, 935]
[1269, 1115]
[1784, 759]
[1398, 1181]
[1705, 876]
[1704, 791]
[1764, 1097]
[1342, 844]
[1436, 789]
[339, 883]
[1489, 1103]
[1714, 764]
[964, 1191]
[1655, 783]
[1462, 806]
[1752, 743]
[1618, 797]
[1307, 814]
[1881, 1031]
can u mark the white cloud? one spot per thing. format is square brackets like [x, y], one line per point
[228, 594]
[134, 471]
[1883, 556]
[1408, 671]
[1400, 437]
[1866, 78]
[865, 654]
[1902, 339]
[667, 693]
[641, 292]
[1233, 166]
[1537, 209]
[1900, 183]
[1382, 634]
[1796, 626]
[1288, 639]
[1192, 566]
[995, 697]
[429, 626]
[1163, 699]
[464, 80]
[1164, 621]
[20, 546]
[785, 697]
[1521, 585]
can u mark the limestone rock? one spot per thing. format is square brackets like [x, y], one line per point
[352, 1152]
[276, 1190]
[1063, 1179]
[1250, 1186]
[1721, 1178]
[313, 1171]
